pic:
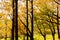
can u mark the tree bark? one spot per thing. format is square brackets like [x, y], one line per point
[12, 31]
[44, 37]
[58, 22]
[31, 38]
[15, 19]
[59, 37]
[53, 36]
[27, 17]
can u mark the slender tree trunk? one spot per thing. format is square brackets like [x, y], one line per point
[58, 22]
[31, 38]
[15, 20]
[44, 37]
[53, 36]
[59, 37]
[27, 17]
[12, 31]
[24, 37]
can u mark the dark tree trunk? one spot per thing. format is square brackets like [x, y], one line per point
[44, 37]
[12, 31]
[15, 20]
[31, 38]
[59, 37]
[12, 34]
[27, 17]
[58, 22]
[24, 37]
[53, 35]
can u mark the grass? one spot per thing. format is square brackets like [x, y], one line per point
[48, 37]
[38, 37]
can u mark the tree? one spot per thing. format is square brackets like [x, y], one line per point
[29, 31]
[46, 16]
[15, 20]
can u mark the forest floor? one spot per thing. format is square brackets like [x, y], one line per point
[38, 37]
[48, 37]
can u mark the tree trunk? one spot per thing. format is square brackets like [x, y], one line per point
[59, 37]
[31, 38]
[12, 31]
[44, 37]
[58, 21]
[32, 21]
[24, 37]
[15, 20]
[53, 36]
